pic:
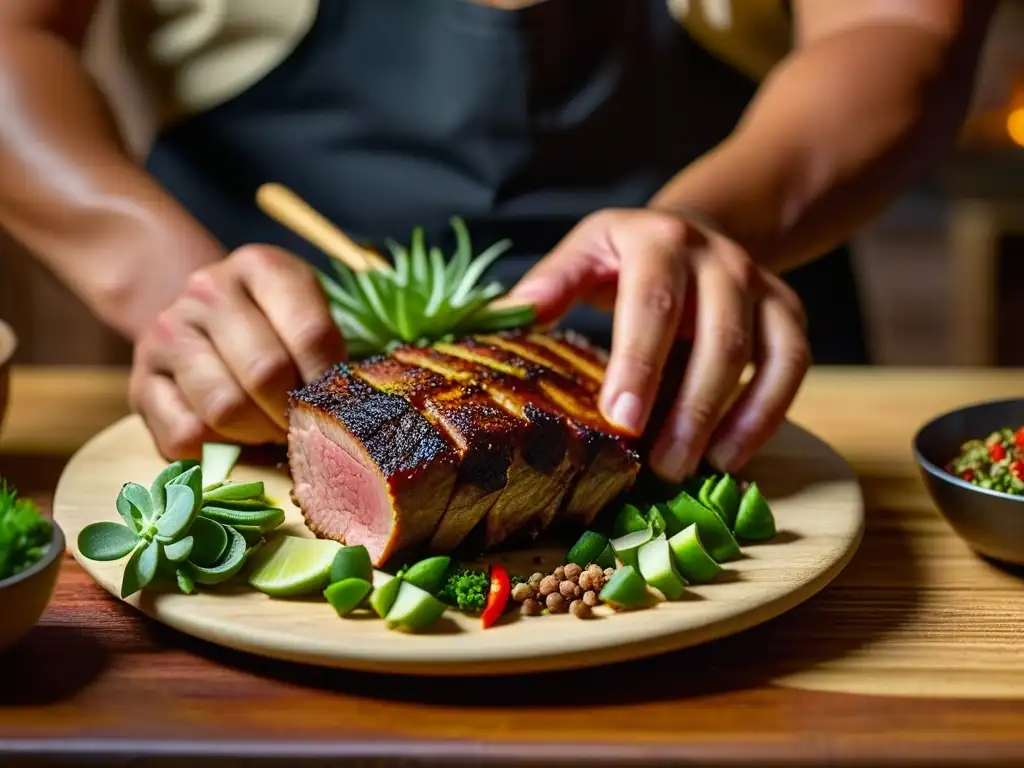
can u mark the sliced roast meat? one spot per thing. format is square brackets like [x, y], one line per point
[543, 466]
[367, 467]
[609, 464]
[485, 436]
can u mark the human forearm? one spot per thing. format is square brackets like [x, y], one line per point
[73, 194]
[834, 135]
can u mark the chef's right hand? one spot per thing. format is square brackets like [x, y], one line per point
[218, 363]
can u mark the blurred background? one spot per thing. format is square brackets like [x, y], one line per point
[942, 273]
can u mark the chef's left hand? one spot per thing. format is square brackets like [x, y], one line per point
[665, 279]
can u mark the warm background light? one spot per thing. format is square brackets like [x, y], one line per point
[1015, 126]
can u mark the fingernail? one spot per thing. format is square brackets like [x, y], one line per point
[723, 454]
[627, 412]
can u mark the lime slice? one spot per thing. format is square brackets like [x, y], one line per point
[291, 565]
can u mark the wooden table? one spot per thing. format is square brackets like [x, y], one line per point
[934, 635]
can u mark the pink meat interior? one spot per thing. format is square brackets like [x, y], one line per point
[337, 485]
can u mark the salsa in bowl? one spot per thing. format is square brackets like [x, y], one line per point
[968, 459]
[995, 462]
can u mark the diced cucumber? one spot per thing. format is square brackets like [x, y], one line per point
[628, 520]
[671, 525]
[352, 563]
[626, 547]
[695, 564]
[347, 595]
[725, 498]
[714, 534]
[626, 589]
[658, 567]
[428, 574]
[607, 558]
[587, 549]
[704, 496]
[755, 521]
[383, 596]
[414, 609]
[217, 461]
[656, 520]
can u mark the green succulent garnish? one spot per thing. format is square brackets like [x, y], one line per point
[422, 299]
[192, 524]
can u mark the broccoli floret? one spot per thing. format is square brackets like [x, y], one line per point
[465, 589]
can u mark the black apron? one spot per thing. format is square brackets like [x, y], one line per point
[397, 113]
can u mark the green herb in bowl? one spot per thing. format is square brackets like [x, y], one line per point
[24, 533]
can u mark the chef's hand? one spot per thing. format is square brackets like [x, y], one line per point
[667, 279]
[218, 363]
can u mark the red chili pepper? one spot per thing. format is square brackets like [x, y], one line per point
[497, 597]
[996, 452]
[1018, 438]
[968, 475]
[1017, 467]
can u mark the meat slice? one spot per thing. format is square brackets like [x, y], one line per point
[588, 360]
[609, 464]
[485, 436]
[540, 354]
[543, 465]
[367, 467]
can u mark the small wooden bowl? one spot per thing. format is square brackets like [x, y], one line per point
[8, 346]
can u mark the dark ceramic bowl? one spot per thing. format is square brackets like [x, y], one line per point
[991, 522]
[24, 597]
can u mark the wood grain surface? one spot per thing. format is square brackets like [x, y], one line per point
[97, 677]
[813, 493]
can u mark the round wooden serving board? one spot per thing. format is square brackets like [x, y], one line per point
[813, 492]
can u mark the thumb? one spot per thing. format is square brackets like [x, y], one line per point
[563, 277]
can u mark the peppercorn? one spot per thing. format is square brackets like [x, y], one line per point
[555, 603]
[572, 572]
[586, 580]
[531, 607]
[535, 579]
[579, 609]
[609, 572]
[548, 585]
[559, 572]
[590, 598]
[521, 592]
[595, 570]
[567, 588]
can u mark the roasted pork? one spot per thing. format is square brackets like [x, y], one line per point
[498, 433]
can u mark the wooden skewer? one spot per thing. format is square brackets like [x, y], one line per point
[291, 211]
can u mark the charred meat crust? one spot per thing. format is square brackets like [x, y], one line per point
[483, 434]
[545, 440]
[400, 441]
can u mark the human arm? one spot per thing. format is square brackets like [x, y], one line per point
[70, 190]
[219, 339]
[872, 91]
